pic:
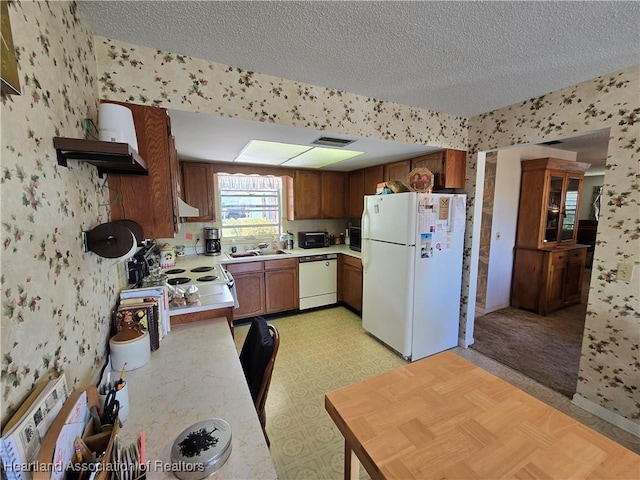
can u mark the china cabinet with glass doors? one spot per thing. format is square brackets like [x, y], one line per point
[548, 264]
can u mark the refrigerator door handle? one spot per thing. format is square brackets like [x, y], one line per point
[364, 234]
[363, 255]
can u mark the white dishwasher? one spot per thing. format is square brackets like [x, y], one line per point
[318, 280]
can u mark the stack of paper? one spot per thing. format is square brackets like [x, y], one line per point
[23, 434]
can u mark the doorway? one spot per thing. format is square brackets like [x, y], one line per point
[546, 349]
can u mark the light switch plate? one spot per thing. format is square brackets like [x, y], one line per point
[625, 272]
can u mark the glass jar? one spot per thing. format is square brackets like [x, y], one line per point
[156, 278]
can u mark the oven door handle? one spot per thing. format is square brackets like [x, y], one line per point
[231, 283]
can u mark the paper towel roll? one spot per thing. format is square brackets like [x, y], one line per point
[131, 252]
[116, 124]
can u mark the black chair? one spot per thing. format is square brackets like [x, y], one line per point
[258, 355]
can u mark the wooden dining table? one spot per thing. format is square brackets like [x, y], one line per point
[444, 417]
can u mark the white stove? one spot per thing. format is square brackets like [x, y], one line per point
[210, 279]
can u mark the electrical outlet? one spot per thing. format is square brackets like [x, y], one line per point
[625, 272]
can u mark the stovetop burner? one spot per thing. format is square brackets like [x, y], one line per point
[173, 271]
[178, 280]
[207, 278]
[202, 269]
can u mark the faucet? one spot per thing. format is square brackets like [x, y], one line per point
[262, 245]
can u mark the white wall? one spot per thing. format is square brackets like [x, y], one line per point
[505, 219]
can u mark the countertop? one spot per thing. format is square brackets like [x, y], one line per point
[196, 375]
[224, 258]
[217, 295]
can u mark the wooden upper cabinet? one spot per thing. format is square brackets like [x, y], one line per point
[318, 195]
[151, 200]
[372, 177]
[332, 194]
[448, 166]
[198, 189]
[307, 188]
[362, 182]
[397, 171]
[356, 194]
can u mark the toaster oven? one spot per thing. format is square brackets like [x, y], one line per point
[313, 239]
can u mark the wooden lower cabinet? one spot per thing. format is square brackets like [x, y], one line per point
[281, 285]
[268, 286]
[545, 280]
[350, 284]
[250, 291]
[226, 312]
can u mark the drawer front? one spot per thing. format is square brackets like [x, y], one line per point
[559, 258]
[352, 261]
[281, 264]
[245, 267]
[578, 255]
[575, 255]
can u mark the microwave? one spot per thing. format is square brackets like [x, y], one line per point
[355, 234]
[313, 239]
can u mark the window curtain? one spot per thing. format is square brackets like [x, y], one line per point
[240, 181]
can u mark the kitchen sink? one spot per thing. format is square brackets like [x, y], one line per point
[243, 254]
[258, 253]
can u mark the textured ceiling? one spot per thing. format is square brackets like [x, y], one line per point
[461, 58]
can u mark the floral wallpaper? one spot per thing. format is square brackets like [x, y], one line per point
[137, 74]
[610, 359]
[55, 298]
[611, 347]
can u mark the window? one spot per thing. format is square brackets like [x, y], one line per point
[249, 204]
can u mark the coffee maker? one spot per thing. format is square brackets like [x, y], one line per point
[212, 241]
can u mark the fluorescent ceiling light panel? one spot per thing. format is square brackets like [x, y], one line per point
[269, 153]
[321, 157]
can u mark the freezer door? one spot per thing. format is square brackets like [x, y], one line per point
[390, 218]
[387, 297]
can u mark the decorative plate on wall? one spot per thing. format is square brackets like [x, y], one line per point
[420, 180]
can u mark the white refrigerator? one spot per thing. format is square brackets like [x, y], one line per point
[412, 247]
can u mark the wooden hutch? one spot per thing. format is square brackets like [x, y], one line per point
[548, 263]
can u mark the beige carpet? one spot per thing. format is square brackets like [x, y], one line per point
[546, 349]
[326, 349]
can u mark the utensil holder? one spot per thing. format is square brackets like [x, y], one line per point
[110, 381]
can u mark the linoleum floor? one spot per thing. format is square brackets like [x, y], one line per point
[325, 349]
